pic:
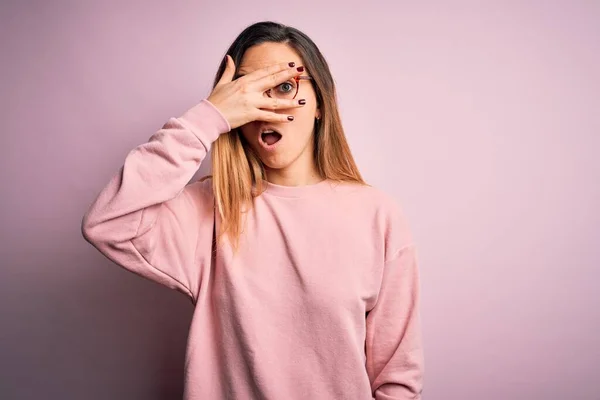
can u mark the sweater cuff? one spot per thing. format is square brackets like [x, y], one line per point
[206, 121]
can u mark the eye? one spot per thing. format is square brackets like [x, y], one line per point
[286, 87]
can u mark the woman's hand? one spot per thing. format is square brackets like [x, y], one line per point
[242, 101]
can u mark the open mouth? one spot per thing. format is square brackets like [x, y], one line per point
[270, 137]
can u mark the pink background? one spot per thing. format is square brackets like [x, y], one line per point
[482, 118]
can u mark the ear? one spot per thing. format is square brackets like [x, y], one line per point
[318, 114]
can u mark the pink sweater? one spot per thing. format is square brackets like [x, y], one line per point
[320, 302]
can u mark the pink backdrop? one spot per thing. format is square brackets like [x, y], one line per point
[482, 119]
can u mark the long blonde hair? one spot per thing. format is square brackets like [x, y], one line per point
[237, 173]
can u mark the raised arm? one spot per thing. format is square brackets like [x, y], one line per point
[147, 219]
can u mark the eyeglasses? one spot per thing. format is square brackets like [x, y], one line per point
[287, 90]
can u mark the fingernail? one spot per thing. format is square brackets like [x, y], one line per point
[300, 69]
[302, 101]
[292, 64]
[290, 117]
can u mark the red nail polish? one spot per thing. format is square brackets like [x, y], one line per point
[300, 69]
[292, 64]
[290, 117]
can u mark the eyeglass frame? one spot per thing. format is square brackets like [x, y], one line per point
[297, 78]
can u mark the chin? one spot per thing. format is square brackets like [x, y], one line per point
[275, 161]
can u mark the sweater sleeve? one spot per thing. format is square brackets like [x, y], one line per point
[393, 346]
[148, 219]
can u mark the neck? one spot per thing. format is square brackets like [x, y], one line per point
[301, 172]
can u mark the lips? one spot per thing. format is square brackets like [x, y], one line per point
[270, 136]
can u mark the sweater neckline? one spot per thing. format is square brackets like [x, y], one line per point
[296, 191]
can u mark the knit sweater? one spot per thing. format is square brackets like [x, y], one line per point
[320, 300]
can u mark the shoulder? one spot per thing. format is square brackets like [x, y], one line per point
[369, 197]
[204, 185]
[199, 192]
[383, 209]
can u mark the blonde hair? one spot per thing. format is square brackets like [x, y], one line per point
[238, 175]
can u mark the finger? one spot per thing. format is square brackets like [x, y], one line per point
[274, 103]
[270, 81]
[266, 71]
[269, 116]
[228, 72]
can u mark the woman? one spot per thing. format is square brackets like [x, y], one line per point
[304, 278]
